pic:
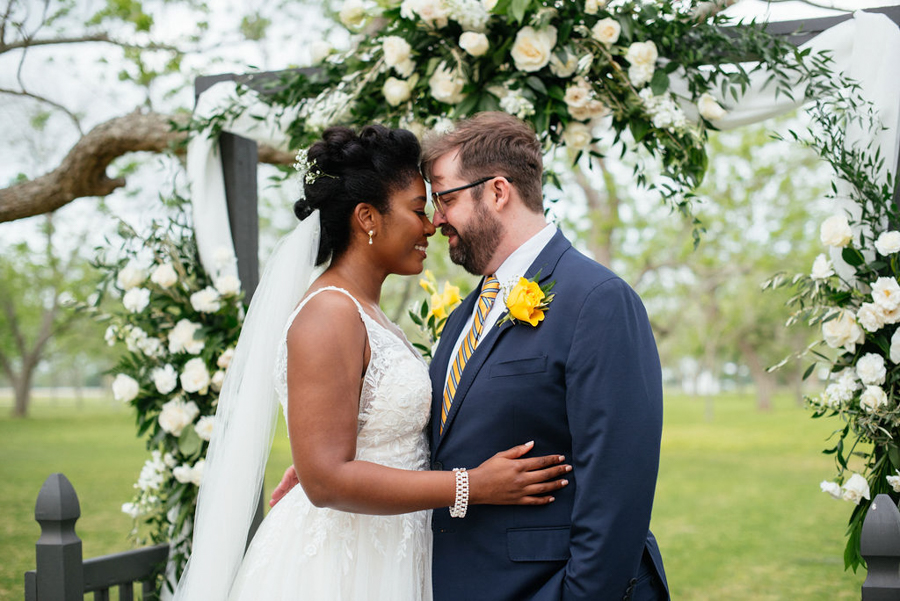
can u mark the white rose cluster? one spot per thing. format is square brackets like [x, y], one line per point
[872, 399]
[533, 48]
[228, 285]
[884, 308]
[854, 490]
[154, 473]
[592, 7]
[663, 110]
[870, 369]
[641, 57]
[195, 377]
[182, 338]
[187, 474]
[841, 391]
[398, 55]
[516, 104]
[472, 15]
[177, 414]
[581, 101]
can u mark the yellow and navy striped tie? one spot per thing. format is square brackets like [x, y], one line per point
[485, 301]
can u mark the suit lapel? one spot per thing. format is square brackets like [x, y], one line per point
[545, 263]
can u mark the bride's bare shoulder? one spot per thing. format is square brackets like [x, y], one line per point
[328, 317]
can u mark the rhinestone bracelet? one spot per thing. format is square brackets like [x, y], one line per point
[462, 493]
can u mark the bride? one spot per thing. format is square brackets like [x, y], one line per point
[356, 397]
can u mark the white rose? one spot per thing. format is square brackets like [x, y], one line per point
[832, 488]
[225, 358]
[136, 299]
[204, 426]
[592, 7]
[125, 388]
[842, 331]
[130, 276]
[871, 317]
[217, 380]
[577, 135]
[206, 301]
[592, 110]
[134, 338]
[870, 369]
[446, 85]
[433, 12]
[894, 481]
[182, 473]
[489, 4]
[642, 58]
[353, 14]
[533, 48]
[835, 231]
[563, 67]
[872, 399]
[578, 95]
[856, 489]
[396, 50]
[228, 285]
[197, 472]
[395, 91]
[822, 268]
[474, 43]
[894, 354]
[195, 377]
[176, 415]
[110, 335]
[181, 338]
[888, 243]
[886, 293]
[606, 31]
[133, 511]
[406, 68]
[164, 275]
[165, 379]
[709, 108]
[319, 51]
[223, 258]
[169, 460]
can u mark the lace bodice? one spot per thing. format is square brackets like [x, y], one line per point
[394, 402]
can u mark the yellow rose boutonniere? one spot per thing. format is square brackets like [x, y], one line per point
[528, 301]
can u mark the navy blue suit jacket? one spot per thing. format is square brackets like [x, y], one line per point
[585, 383]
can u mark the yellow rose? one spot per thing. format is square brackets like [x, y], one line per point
[437, 306]
[523, 301]
[442, 304]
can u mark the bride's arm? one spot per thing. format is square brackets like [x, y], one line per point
[327, 357]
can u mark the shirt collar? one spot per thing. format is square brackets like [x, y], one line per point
[517, 263]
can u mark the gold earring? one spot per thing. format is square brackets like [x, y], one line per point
[371, 233]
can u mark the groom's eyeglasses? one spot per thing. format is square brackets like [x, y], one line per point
[436, 196]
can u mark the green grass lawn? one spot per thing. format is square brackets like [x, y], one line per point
[738, 511]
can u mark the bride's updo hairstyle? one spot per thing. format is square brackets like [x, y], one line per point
[351, 168]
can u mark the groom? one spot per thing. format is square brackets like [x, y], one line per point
[584, 382]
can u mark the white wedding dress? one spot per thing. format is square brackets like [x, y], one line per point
[302, 552]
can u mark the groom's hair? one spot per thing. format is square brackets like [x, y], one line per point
[491, 144]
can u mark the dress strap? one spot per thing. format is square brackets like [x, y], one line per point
[294, 313]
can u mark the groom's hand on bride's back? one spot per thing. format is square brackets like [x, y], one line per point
[288, 481]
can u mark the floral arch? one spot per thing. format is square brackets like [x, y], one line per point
[657, 75]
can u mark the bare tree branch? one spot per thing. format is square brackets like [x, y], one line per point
[97, 37]
[82, 173]
[75, 120]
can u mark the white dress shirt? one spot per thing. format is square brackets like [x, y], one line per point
[508, 274]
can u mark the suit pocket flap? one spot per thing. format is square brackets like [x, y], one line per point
[538, 544]
[518, 367]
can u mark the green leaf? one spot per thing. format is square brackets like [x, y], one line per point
[518, 9]
[852, 257]
[536, 84]
[660, 82]
[809, 370]
[189, 443]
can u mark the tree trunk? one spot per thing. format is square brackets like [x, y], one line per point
[762, 378]
[22, 388]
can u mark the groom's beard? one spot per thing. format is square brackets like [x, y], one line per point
[476, 246]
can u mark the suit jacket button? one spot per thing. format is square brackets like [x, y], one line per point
[632, 582]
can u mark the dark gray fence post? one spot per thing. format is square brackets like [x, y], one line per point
[58, 550]
[880, 547]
